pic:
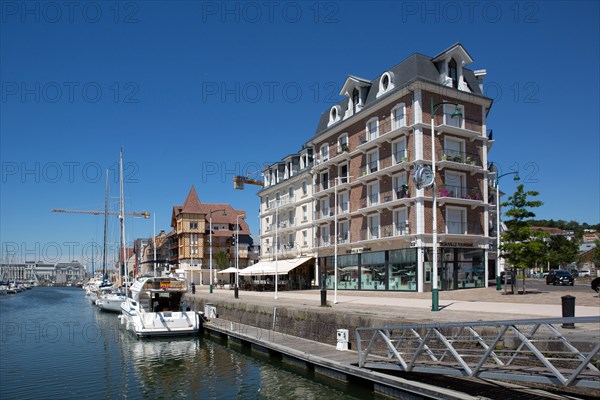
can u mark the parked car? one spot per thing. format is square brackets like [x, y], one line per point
[506, 275]
[560, 277]
[585, 272]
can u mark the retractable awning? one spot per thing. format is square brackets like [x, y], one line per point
[229, 270]
[282, 267]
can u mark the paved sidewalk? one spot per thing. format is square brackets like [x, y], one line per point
[484, 304]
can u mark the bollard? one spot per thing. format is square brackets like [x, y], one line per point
[568, 310]
[323, 297]
[193, 288]
[235, 292]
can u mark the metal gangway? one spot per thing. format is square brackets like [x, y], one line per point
[541, 351]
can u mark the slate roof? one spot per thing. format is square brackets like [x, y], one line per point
[416, 67]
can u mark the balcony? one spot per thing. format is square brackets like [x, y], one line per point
[384, 232]
[463, 127]
[459, 195]
[336, 153]
[385, 166]
[382, 200]
[461, 228]
[459, 160]
[386, 132]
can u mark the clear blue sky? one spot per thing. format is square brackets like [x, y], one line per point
[196, 92]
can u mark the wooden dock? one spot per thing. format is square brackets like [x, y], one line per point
[324, 359]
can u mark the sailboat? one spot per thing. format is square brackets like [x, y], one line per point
[111, 298]
[155, 308]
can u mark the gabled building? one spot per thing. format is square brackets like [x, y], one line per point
[362, 162]
[190, 244]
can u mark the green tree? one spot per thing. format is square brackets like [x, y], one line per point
[522, 248]
[596, 254]
[221, 260]
[561, 251]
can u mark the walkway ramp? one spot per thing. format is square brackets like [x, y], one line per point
[562, 352]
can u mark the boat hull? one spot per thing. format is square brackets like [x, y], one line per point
[159, 324]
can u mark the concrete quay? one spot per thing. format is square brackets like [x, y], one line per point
[297, 329]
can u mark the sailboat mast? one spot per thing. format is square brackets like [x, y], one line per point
[122, 215]
[104, 250]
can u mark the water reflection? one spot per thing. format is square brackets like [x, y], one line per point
[54, 344]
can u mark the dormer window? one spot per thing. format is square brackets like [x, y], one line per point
[356, 100]
[453, 73]
[386, 83]
[334, 115]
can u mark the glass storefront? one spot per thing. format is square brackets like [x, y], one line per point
[382, 270]
[461, 268]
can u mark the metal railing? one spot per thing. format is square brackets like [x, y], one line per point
[532, 350]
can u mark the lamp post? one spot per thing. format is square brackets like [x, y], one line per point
[210, 213]
[237, 253]
[515, 178]
[276, 246]
[435, 306]
[335, 237]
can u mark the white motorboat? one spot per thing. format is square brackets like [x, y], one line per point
[110, 299]
[155, 308]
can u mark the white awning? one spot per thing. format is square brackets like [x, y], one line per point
[282, 267]
[229, 270]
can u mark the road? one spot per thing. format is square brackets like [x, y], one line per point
[581, 285]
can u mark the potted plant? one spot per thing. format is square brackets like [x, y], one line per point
[345, 147]
[403, 193]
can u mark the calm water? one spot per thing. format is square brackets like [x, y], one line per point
[55, 344]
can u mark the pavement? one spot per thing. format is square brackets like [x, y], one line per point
[468, 305]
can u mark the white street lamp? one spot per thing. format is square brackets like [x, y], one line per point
[335, 237]
[516, 178]
[237, 252]
[210, 213]
[435, 306]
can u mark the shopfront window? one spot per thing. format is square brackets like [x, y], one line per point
[462, 269]
[348, 271]
[403, 269]
[372, 271]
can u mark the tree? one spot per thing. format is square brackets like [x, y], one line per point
[596, 254]
[221, 260]
[521, 247]
[561, 251]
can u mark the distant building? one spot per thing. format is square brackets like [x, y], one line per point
[190, 240]
[590, 237]
[570, 235]
[71, 272]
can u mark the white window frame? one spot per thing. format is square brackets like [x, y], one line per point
[457, 181]
[304, 188]
[373, 157]
[369, 135]
[325, 232]
[304, 238]
[304, 213]
[373, 225]
[345, 195]
[455, 140]
[324, 152]
[402, 143]
[397, 181]
[448, 110]
[325, 207]
[402, 108]
[342, 140]
[341, 176]
[324, 181]
[373, 194]
[463, 220]
[390, 86]
[343, 227]
[334, 118]
[401, 226]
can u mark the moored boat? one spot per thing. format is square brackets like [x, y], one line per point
[155, 308]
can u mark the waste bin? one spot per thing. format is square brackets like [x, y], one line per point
[210, 311]
[568, 310]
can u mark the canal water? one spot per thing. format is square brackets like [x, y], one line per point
[56, 345]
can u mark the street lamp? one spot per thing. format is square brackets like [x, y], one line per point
[515, 178]
[335, 237]
[237, 252]
[435, 306]
[210, 213]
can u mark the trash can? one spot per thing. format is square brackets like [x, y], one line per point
[568, 310]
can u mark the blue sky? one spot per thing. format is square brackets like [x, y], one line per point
[196, 92]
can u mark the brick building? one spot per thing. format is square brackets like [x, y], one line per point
[361, 161]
